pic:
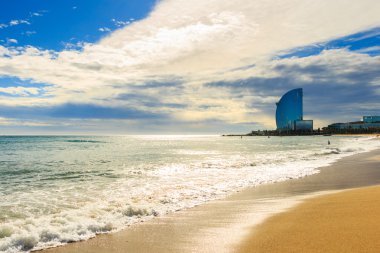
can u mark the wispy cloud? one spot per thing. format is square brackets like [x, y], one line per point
[363, 36]
[19, 22]
[369, 49]
[12, 41]
[18, 122]
[359, 42]
[104, 29]
[39, 13]
[74, 45]
[20, 91]
[29, 33]
[120, 23]
[26, 21]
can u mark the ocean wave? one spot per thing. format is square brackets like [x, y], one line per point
[72, 226]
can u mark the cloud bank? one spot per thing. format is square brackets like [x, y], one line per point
[200, 61]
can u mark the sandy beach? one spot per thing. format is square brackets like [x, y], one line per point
[226, 225]
[342, 222]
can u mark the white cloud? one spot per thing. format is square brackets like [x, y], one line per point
[14, 41]
[367, 35]
[74, 45]
[20, 91]
[194, 41]
[18, 22]
[104, 29]
[202, 38]
[18, 122]
[120, 23]
[4, 52]
[30, 33]
[36, 14]
[368, 49]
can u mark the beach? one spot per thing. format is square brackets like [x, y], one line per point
[341, 222]
[228, 225]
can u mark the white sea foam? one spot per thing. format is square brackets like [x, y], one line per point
[79, 195]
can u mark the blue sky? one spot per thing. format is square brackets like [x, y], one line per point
[366, 42]
[54, 24]
[174, 66]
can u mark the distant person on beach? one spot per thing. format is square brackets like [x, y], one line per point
[328, 142]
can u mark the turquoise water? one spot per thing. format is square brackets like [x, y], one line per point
[58, 189]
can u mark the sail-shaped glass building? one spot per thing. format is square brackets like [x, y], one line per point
[289, 112]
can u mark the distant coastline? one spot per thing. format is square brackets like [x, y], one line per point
[324, 132]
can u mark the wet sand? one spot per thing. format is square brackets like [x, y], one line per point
[343, 222]
[221, 226]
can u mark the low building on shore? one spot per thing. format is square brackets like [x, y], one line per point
[368, 122]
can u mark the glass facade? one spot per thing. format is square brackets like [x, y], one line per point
[289, 110]
[369, 122]
[304, 125]
[371, 119]
[354, 125]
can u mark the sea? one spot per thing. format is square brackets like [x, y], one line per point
[60, 189]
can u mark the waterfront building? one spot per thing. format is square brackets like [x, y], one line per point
[371, 119]
[289, 112]
[368, 122]
[303, 125]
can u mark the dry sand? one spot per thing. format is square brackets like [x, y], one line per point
[348, 221]
[221, 226]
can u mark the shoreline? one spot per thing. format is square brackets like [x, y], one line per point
[337, 222]
[232, 216]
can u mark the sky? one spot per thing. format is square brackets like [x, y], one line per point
[183, 67]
